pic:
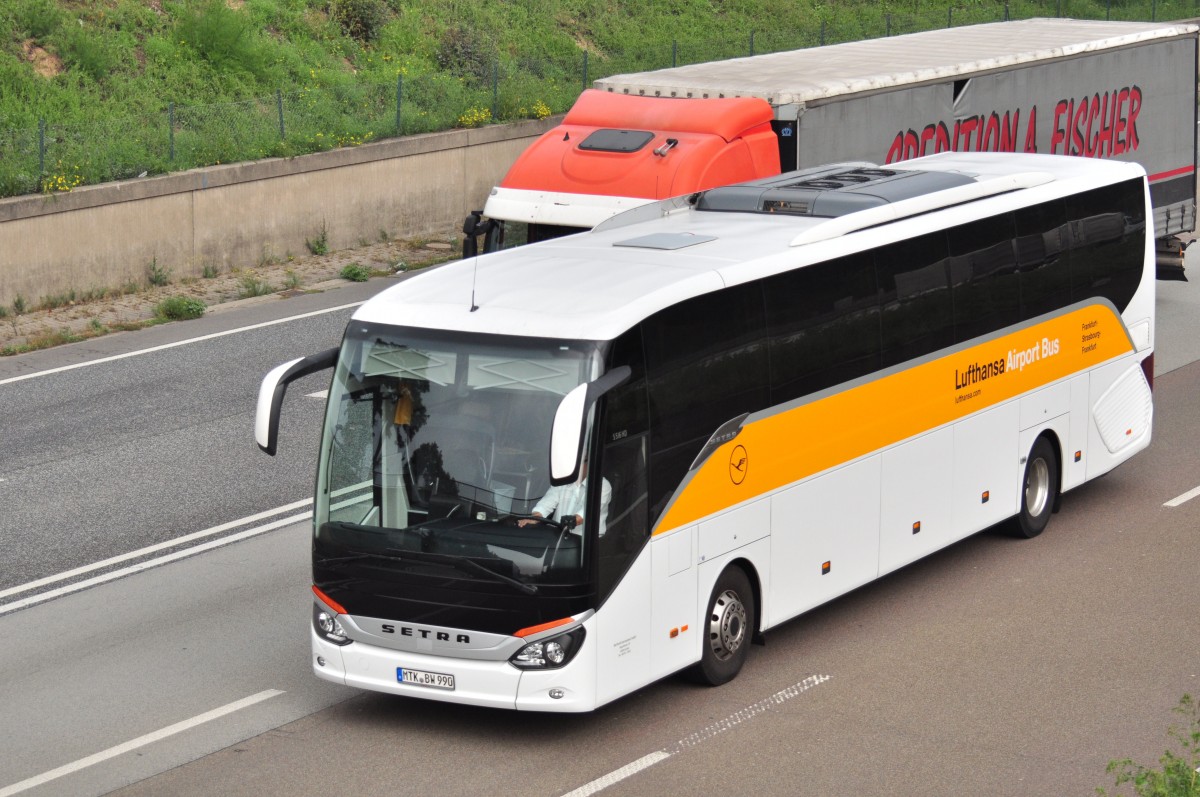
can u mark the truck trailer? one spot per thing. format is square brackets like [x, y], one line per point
[1101, 89]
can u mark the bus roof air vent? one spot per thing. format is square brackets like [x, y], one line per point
[829, 193]
[948, 193]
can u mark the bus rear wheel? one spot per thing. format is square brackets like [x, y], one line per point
[1039, 490]
[728, 628]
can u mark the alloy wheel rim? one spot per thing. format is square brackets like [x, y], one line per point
[1037, 487]
[727, 625]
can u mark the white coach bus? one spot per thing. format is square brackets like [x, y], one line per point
[751, 400]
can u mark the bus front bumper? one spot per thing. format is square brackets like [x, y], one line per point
[495, 684]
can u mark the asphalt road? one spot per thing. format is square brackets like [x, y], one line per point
[153, 441]
[995, 667]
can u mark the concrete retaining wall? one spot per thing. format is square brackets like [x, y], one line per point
[106, 236]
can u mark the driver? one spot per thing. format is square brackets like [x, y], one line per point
[569, 500]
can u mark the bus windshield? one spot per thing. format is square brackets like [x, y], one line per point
[435, 458]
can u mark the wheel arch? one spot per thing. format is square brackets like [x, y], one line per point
[752, 576]
[1056, 446]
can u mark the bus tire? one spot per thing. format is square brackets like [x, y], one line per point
[1039, 490]
[728, 628]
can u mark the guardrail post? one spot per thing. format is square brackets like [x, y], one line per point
[752, 44]
[585, 52]
[675, 49]
[888, 27]
[171, 127]
[495, 85]
[41, 151]
[1006, 12]
[400, 97]
[822, 33]
[279, 105]
[1107, 8]
[950, 17]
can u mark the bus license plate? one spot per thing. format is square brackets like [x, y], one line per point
[436, 680]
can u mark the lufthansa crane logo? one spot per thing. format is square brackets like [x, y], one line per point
[739, 463]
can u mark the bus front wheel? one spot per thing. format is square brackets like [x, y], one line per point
[1039, 490]
[728, 628]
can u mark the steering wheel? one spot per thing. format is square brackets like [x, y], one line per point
[549, 521]
[564, 525]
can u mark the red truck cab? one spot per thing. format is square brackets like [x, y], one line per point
[613, 152]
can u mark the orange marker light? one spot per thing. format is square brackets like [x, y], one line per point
[328, 601]
[684, 628]
[917, 527]
[534, 629]
[674, 633]
[825, 567]
[1078, 455]
[986, 495]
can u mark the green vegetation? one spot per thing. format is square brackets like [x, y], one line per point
[251, 285]
[1178, 775]
[179, 308]
[57, 300]
[320, 244]
[107, 90]
[355, 272]
[157, 275]
[49, 338]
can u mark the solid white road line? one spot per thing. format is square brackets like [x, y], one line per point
[233, 524]
[1183, 499]
[140, 566]
[134, 744]
[702, 735]
[177, 343]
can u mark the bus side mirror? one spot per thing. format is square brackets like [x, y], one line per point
[567, 434]
[270, 394]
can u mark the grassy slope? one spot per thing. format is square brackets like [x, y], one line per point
[103, 74]
[130, 56]
[137, 55]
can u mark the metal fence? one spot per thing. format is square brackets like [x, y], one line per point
[55, 157]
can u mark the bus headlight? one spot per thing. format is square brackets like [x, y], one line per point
[550, 653]
[327, 626]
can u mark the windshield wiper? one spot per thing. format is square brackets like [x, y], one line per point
[475, 567]
[464, 565]
[337, 560]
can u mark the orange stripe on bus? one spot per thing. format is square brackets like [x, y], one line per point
[790, 446]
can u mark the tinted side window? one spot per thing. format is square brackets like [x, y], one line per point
[1108, 236]
[1043, 258]
[823, 326]
[623, 442]
[983, 274]
[626, 412]
[706, 362]
[917, 313]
